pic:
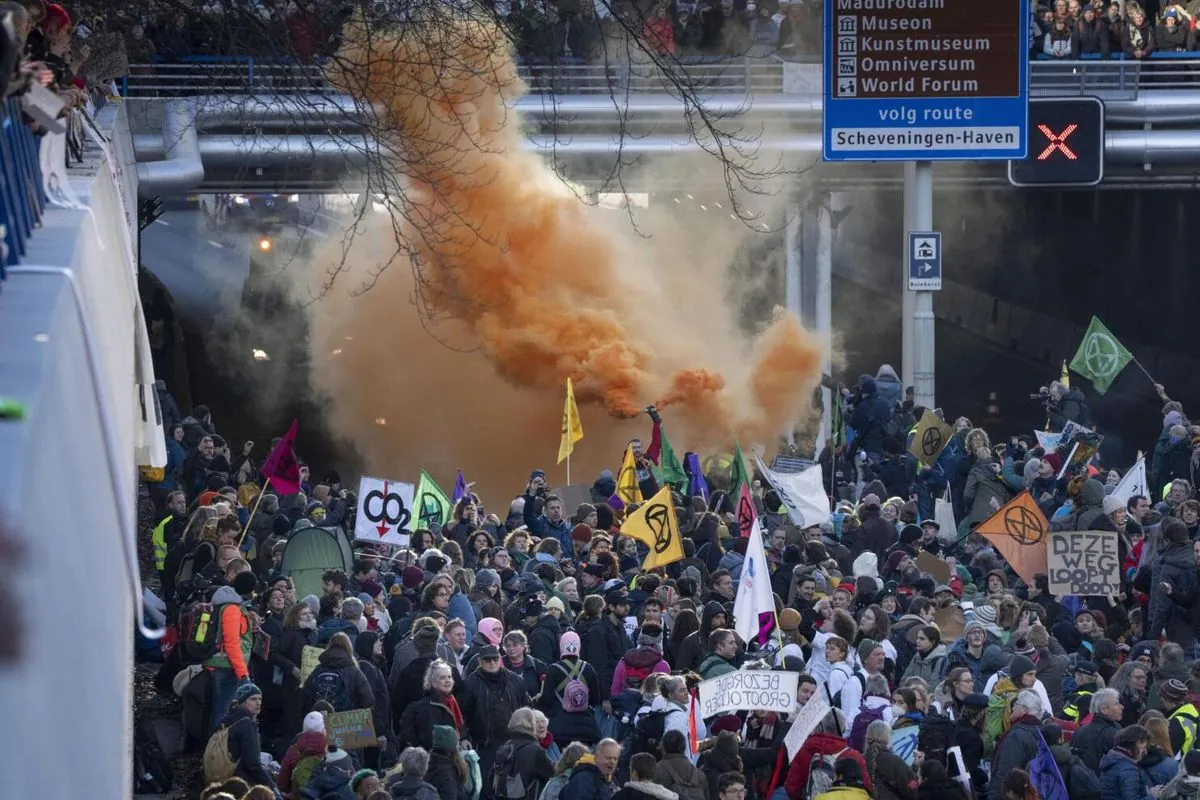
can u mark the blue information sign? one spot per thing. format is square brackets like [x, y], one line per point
[924, 261]
[926, 80]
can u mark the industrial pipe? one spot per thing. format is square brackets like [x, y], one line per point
[183, 169]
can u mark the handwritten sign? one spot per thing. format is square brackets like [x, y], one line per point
[904, 742]
[805, 723]
[309, 657]
[351, 730]
[749, 690]
[1083, 563]
[631, 625]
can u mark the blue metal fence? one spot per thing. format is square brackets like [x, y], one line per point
[22, 199]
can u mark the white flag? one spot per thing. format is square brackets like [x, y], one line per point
[1048, 441]
[754, 607]
[803, 493]
[1134, 483]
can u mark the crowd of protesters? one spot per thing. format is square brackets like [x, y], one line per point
[520, 652]
[1070, 29]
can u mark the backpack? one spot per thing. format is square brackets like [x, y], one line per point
[302, 772]
[998, 716]
[507, 781]
[858, 731]
[937, 736]
[573, 693]
[634, 676]
[835, 700]
[219, 765]
[151, 768]
[200, 630]
[648, 732]
[330, 685]
[821, 774]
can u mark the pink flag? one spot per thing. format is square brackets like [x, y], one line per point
[746, 512]
[281, 469]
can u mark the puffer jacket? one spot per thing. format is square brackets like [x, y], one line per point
[1158, 766]
[1121, 778]
[308, 743]
[1172, 613]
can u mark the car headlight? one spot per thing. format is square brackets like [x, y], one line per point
[240, 200]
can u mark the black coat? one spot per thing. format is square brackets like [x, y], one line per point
[543, 639]
[570, 727]
[531, 673]
[415, 728]
[382, 707]
[443, 775]
[587, 783]
[606, 643]
[488, 702]
[407, 685]
[245, 748]
[337, 660]
[1014, 751]
[1093, 741]
[876, 535]
[531, 762]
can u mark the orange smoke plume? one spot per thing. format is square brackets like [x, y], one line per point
[544, 284]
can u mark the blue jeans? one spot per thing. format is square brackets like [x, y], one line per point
[224, 687]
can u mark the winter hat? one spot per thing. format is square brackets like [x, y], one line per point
[532, 608]
[650, 636]
[582, 533]
[790, 619]
[314, 722]
[361, 776]
[434, 563]
[445, 738]
[568, 644]
[976, 700]
[1019, 666]
[555, 603]
[910, 534]
[1086, 667]
[530, 584]
[425, 640]
[399, 607]
[491, 629]
[1143, 649]
[372, 588]
[1173, 690]
[412, 577]
[728, 723]
[865, 648]
[313, 602]
[727, 740]
[985, 615]
[365, 598]
[245, 691]
[487, 577]
[510, 580]
[893, 561]
[595, 570]
[1111, 504]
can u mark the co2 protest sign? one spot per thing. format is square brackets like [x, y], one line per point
[1083, 563]
[749, 690]
[384, 511]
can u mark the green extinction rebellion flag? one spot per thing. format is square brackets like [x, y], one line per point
[432, 505]
[1100, 357]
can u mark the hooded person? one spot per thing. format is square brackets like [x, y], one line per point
[876, 534]
[694, 648]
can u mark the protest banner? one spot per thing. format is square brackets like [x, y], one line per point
[749, 690]
[904, 742]
[937, 568]
[1083, 563]
[351, 730]
[805, 723]
[309, 657]
[384, 511]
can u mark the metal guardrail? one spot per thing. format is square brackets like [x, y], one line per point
[21, 193]
[1111, 78]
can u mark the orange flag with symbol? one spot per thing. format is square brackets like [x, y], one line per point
[1018, 530]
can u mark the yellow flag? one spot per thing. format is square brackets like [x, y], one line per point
[655, 525]
[1065, 378]
[572, 428]
[628, 488]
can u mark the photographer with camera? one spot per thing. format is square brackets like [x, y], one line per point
[550, 521]
[1063, 405]
[869, 418]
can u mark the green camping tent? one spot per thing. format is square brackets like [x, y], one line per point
[310, 552]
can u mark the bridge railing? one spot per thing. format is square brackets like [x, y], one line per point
[22, 199]
[766, 75]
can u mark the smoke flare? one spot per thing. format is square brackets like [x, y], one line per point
[545, 285]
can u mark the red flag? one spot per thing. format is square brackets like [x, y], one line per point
[282, 469]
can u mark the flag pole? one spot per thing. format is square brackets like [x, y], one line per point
[1143, 369]
[253, 511]
[568, 469]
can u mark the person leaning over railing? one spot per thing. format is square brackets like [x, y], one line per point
[1092, 32]
[1172, 34]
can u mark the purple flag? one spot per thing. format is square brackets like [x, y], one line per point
[1044, 774]
[460, 487]
[615, 503]
[697, 486]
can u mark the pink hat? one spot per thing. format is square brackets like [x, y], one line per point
[492, 629]
[568, 644]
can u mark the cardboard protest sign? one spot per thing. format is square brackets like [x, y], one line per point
[749, 690]
[351, 730]
[384, 511]
[931, 437]
[1084, 563]
[308, 661]
[805, 723]
[938, 569]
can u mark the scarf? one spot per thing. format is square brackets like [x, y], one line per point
[452, 704]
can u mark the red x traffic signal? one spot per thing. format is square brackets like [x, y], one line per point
[1066, 144]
